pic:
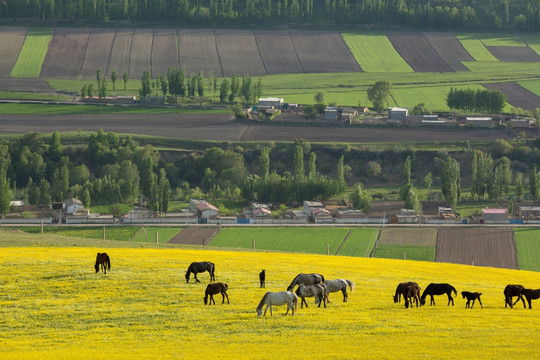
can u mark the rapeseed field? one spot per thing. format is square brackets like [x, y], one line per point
[54, 306]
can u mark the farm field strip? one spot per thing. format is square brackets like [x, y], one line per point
[509, 69]
[499, 39]
[409, 252]
[197, 52]
[359, 243]
[532, 86]
[11, 41]
[164, 51]
[277, 52]
[514, 53]
[55, 306]
[528, 248]
[449, 49]
[374, 52]
[231, 43]
[336, 58]
[517, 95]
[120, 53]
[416, 50]
[401, 236]
[533, 40]
[97, 53]
[32, 53]
[66, 53]
[140, 54]
[475, 47]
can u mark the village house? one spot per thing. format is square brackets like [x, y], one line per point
[71, 206]
[479, 122]
[529, 212]
[494, 215]
[396, 113]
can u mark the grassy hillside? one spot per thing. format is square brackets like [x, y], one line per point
[528, 248]
[55, 307]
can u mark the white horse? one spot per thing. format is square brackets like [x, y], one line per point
[339, 284]
[318, 291]
[278, 299]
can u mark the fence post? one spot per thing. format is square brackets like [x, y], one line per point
[41, 227]
[104, 233]
[404, 255]
[327, 249]
[253, 244]
[157, 237]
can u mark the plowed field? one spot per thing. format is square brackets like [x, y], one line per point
[66, 53]
[411, 236]
[490, 246]
[418, 52]
[11, 41]
[97, 53]
[277, 52]
[194, 236]
[120, 52]
[164, 51]
[514, 53]
[141, 48]
[449, 49]
[197, 52]
[238, 53]
[517, 95]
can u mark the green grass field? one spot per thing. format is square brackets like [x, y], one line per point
[32, 53]
[32, 96]
[475, 47]
[149, 234]
[533, 40]
[360, 242]
[374, 52]
[122, 233]
[532, 86]
[419, 253]
[528, 248]
[499, 39]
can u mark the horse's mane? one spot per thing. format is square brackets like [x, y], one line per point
[263, 301]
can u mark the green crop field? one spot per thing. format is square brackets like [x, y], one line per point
[500, 40]
[533, 40]
[532, 86]
[475, 47]
[298, 239]
[360, 242]
[374, 52]
[32, 53]
[123, 233]
[433, 96]
[420, 253]
[528, 248]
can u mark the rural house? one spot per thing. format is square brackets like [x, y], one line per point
[494, 215]
[73, 205]
[486, 122]
[407, 216]
[529, 212]
[349, 216]
[330, 113]
[522, 123]
[270, 103]
[396, 113]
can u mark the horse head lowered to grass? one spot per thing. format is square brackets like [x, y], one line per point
[306, 279]
[199, 267]
[103, 260]
[438, 289]
[278, 298]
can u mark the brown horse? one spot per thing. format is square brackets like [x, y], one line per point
[262, 278]
[199, 267]
[216, 288]
[513, 290]
[530, 295]
[471, 296]
[438, 289]
[103, 260]
[411, 292]
[401, 289]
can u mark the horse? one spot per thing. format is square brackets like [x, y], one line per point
[471, 296]
[411, 292]
[262, 278]
[337, 285]
[530, 295]
[438, 289]
[513, 290]
[216, 288]
[199, 267]
[401, 289]
[306, 279]
[278, 298]
[103, 260]
[319, 291]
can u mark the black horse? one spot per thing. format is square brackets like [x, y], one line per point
[103, 260]
[438, 289]
[262, 278]
[400, 290]
[513, 290]
[471, 296]
[199, 267]
[531, 294]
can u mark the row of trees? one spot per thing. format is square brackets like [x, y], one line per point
[484, 101]
[89, 90]
[498, 14]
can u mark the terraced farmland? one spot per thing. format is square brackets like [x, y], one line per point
[66, 53]
[97, 52]
[11, 41]
[197, 52]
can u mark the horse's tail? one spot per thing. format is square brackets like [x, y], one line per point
[295, 301]
[213, 271]
[108, 263]
[351, 284]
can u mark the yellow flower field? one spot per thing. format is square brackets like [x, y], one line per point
[53, 306]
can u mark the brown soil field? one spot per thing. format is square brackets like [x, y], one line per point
[412, 236]
[449, 49]
[197, 51]
[487, 246]
[194, 236]
[517, 95]
[164, 51]
[323, 52]
[23, 84]
[98, 53]
[139, 57]
[416, 50]
[66, 53]
[222, 127]
[11, 41]
[121, 48]
[238, 53]
[514, 53]
[277, 52]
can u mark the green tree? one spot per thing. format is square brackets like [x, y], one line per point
[412, 201]
[55, 150]
[223, 91]
[312, 164]
[44, 193]
[298, 161]
[340, 169]
[85, 197]
[519, 186]
[407, 170]
[146, 84]
[373, 169]
[319, 97]
[99, 76]
[84, 91]
[125, 77]
[360, 200]
[114, 77]
[264, 162]
[90, 90]
[378, 94]
[451, 181]
[6, 194]
[164, 192]
[420, 109]
[428, 180]
[534, 185]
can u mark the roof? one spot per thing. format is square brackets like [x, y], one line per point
[398, 109]
[261, 212]
[318, 211]
[495, 211]
[73, 201]
[271, 99]
[313, 203]
[206, 206]
[479, 118]
[16, 203]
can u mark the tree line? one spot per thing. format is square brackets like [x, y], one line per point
[496, 14]
[483, 101]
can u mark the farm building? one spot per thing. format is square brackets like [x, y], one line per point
[271, 102]
[321, 215]
[330, 113]
[203, 208]
[495, 215]
[72, 205]
[486, 122]
[407, 216]
[522, 123]
[310, 205]
[349, 216]
[396, 113]
[529, 212]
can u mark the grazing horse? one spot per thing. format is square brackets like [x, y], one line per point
[530, 295]
[337, 285]
[103, 260]
[318, 291]
[411, 292]
[400, 290]
[199, 267]
[306, 279]
[278, 298]
[216, 288]
[471, 296]
[513, 290]
[438, 289]
[262, 278]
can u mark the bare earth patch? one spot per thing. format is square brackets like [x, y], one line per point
[121, 48]
[197, 51]
[194, 236]
[517, 95]
[11, 41]
[98, 52]
[66, 53]
[490, 246]
[277, 52]
[409, 236]
[164, 51]
[238, 53]
[449, 49]
[11, 84]
[141, 48]
[416, 50]
[514, 53]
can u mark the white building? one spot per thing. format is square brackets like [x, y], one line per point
[396, 113]
[73, 205]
